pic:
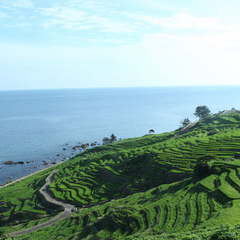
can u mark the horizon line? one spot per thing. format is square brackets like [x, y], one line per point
[79, 88]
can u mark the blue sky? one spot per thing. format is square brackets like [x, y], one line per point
[79, 44]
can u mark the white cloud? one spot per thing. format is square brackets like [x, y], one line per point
[18, 25]
[2, 15]
[180, 49]
[19, 3]
[76, 19]
[158, 60]
[108, 25]
[179, 21]
[68, 18]
[64, 13]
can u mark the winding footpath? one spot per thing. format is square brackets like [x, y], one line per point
[185, 129]
[68, 208]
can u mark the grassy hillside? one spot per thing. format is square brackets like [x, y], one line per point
[142, 187]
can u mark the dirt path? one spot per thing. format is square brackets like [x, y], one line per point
[43, 190]
[185, 129]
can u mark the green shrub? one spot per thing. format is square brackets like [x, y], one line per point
[203, 165]
[226, 232]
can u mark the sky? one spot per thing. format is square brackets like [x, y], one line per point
[48, 44]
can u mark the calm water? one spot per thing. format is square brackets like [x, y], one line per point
[36, 125]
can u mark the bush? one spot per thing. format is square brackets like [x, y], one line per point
[226, 232]
[203, 165]
[216, 170]
[237, 155]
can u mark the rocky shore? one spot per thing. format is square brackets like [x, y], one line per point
[32, 166]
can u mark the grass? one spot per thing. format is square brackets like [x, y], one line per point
[178, 207]
[19, 200]
[150, 180]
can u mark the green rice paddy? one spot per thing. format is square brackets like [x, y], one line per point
[143, 187]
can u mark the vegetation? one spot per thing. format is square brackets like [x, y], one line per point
[113, 138]
[151, 131]
[154, 187]
[202, 112]
[184, 122]
[107, 140]
[204, 165]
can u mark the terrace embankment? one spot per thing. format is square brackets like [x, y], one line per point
[47, 197]
[124, 189]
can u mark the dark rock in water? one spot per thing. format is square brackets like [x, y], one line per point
[66, 143]
[21, 162]
[84, 146]
[64, 149]
[76, 147]
[8, 162]
[93, 144]
[45, 164]
[58, 155]
[28, 161]
[55, 162]
[10, 177]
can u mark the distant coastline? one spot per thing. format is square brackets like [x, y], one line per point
[37, 124]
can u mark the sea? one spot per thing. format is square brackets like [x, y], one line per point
[38, 126]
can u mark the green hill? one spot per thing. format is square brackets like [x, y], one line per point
[138, 188]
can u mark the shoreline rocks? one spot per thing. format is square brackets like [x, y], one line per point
[8, 162]
[11, 162]
[20, 162]
[68, 154]
[83, 146]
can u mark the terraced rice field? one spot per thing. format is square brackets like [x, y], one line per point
[142, 185]
[170, 208]
[19, 201]
[131, 166]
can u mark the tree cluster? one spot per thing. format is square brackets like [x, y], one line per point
[200, 111]
[107, 140]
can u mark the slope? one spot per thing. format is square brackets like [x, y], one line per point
[131, 168]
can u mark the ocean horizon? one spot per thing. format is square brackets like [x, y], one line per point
[37, 125]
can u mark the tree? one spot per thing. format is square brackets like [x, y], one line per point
[184, 122]
[105, 140]
[151, 131]
[203, 165]
[113, 138]
[202, 112]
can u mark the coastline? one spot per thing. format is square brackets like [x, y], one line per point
[19, 179]
[68, 152]
[34, 130]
